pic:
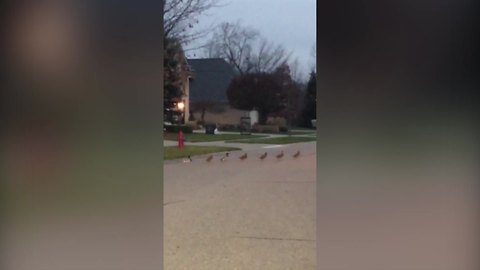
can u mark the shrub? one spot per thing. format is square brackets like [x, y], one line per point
[265, 128]
[192, 124]
[280, 121]
[228, 127]
[177, 128]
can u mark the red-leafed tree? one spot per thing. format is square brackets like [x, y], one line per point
[268, 93]
[259, 91]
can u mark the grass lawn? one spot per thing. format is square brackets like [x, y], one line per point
[278, 140]
[173, 152]
[298, 132]
[199, 137]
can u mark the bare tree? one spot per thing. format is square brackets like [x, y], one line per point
[268, 57]
[245, 49]
[295, 71]
[180, 17]
[233, 43]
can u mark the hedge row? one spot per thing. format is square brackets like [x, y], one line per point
[177, 128]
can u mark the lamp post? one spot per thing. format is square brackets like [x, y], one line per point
[181, 108]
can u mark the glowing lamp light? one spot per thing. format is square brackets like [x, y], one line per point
[181, 105]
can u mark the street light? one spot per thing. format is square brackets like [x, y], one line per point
[181, 105]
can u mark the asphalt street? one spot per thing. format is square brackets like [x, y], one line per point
[242, 214]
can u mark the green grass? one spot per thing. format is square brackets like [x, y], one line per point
[306, 129]
[200, 137]
[173, 152]
[277, 140]
[298, 132]
[312, 134]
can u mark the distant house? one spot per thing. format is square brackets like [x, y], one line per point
[209, 80]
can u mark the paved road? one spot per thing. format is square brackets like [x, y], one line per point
[236, 214]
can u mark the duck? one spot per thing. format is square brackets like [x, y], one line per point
[243, 157]
[188, 159]
[279, 156]
[224, 158]
[297, 154]
[209, 158]
[262, 157]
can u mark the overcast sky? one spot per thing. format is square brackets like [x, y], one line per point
[291, 23]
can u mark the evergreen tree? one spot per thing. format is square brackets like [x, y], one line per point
[173, 63]
[310, 103]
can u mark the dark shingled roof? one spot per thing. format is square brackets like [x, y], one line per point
[211, 77]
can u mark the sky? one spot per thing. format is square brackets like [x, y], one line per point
[291, 23]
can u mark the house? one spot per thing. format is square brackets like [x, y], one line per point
[206, 95]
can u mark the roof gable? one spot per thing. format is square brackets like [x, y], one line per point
[210, 80]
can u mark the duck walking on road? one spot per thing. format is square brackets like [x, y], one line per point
[209, 158]
[262, 157]
[243, 157]
[188, 159]
[224, 158]
[279, 156]
[297, 154]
